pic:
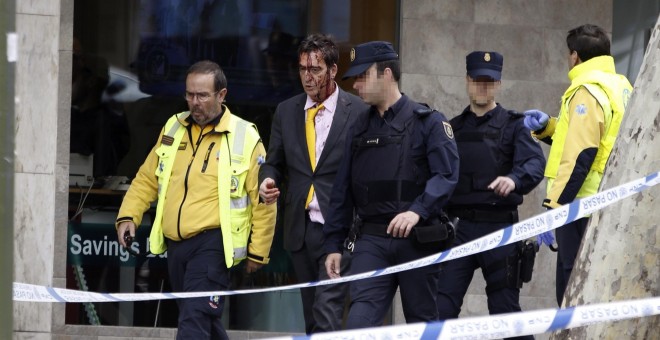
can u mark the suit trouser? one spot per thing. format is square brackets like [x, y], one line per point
[456, 274]
[372, 298]
[569, 238]
[198, 264]
[323, 306]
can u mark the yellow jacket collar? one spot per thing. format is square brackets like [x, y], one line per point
[223, 125]
[604, 63]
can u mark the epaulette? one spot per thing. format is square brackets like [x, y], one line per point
[423, 111]
[515, 114]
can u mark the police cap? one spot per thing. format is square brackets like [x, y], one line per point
[484, 64]
[365, 55]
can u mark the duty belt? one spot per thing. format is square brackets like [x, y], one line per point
[478, 215]
[376, 229]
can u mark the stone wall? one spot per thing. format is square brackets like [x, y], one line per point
[531, 35]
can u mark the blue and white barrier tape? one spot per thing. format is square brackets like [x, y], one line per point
[525, 229]
[503, 325]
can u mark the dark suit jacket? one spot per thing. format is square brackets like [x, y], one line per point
[287, 160]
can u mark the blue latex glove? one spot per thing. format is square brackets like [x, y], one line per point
[535, 119]
[547, 237]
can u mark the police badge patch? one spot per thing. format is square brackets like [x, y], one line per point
[448, 130]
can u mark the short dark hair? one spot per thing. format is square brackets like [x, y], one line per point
[323, 44]
[394, 65]
[209, 67]
[588, 41]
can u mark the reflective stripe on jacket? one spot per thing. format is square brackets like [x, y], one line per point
[234, 158]
[612, 92]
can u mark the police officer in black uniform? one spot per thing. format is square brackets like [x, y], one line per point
[500, 162]
[399, 169]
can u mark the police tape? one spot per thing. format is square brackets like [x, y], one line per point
[503, 325]
[525, 229]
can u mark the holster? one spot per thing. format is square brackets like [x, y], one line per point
[436, 234]
[518, 267]
[527, 258]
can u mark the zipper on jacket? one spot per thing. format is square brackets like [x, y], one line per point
[206, 158]
[185, 181]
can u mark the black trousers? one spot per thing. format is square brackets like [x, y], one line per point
[323, 306]
[569, 238]
[372, 298]
[456, 274]
[198, 264]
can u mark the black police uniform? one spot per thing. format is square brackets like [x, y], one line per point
[405, 161]
[495, 144]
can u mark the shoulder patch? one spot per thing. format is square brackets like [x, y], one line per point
[448, 130]
[581, 109]
[515, 114]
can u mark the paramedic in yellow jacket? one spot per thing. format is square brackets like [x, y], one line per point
[204, 172]
[582, 136]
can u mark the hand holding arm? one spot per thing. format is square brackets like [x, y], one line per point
[268, 191]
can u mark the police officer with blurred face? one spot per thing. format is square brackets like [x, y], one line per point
[399, 169]
[499, 163]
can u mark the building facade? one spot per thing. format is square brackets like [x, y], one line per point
[432, 38]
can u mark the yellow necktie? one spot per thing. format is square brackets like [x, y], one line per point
[310, 134]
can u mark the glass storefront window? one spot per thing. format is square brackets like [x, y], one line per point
[128, 77]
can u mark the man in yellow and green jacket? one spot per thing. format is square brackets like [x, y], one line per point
[582, 136]
[204, 173]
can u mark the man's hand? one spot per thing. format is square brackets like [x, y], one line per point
[332, 265]
[252, 266]
[121, 229]
[268, 191]
[535, 120]
[402, 224]
[502, 186]
[547, 237]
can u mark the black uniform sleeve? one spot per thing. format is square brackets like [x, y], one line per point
[275, 159]
[443, 161]
[340, 209]
[528, 159]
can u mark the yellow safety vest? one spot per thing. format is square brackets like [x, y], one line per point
[233, 199]
[612, 91]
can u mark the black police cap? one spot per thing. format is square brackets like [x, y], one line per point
[484, 64]
[365, 55]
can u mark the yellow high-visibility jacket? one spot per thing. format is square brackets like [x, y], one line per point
[585, 130]
[204, 179]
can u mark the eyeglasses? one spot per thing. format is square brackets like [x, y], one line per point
[202, 97]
